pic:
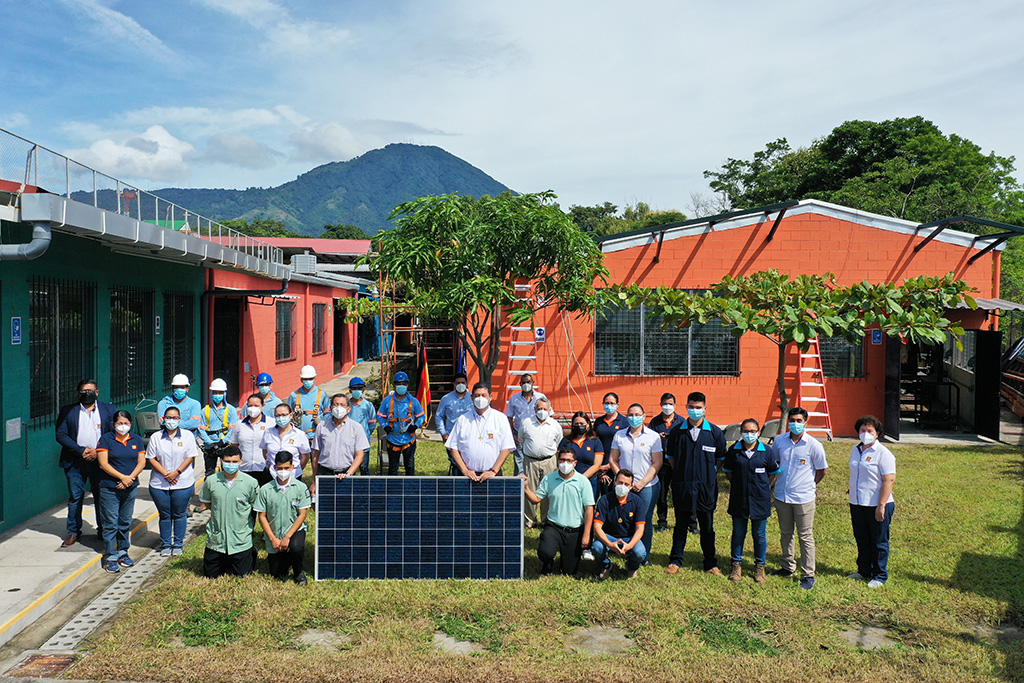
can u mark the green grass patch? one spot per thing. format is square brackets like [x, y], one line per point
[210, 624]
[730, 634]
[484, 628]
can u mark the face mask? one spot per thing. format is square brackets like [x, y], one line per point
[667, 409]
[635, 421]
[230, 467]
[171, 423]
[254, 411]
[579, 430]
[122, 429]
[695, 414]
[621, 490]
[180, 393]
[542, 415]
[307, 384]
[526, 387]
[264, 389]
[400, 389]
[217, 398]
[357, 393]
[481, 402]
[566, 467]
[610, 408]
[749, 437]
[87, 398]
[283, 420]
[460, 388]
[284, 475]
[796, 428]
[339, 412]
[867, 438]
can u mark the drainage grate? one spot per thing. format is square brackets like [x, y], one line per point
[110, 600]
[41, 666]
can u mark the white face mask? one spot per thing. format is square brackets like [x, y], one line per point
[867, 438]
[668, 409]
[284, 475]
[481, 402]
[460, 388]
[621, 490]
[566, 467]
[527, 387]
[254, 411]
[122, 429]
[542, 415]
[339, 412]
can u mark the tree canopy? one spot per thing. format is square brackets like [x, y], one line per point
[604, 219]
[261, 227]
[344, 232]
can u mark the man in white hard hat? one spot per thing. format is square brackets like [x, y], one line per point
[309, 401]
[190, 409]
[218, 419]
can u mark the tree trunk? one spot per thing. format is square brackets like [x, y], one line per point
[781, 382]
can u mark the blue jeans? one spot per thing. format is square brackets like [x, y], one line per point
[634, 558]
[759, 532]
[116, 509]
[80, 479]
[872, 540]
[173, 508]
[517, 462]
[649, 495]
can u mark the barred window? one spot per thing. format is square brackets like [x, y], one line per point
[285, 330]
[961, 358]
[840, 358]
[319, 328]
[179, 335]
[626, 342]
[61, 344]
[131, 343]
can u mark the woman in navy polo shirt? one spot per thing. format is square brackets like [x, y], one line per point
[122, 456]
[590, 453]
[605, 429]
[750, 468]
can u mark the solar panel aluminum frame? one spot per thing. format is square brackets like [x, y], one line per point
[325, 483]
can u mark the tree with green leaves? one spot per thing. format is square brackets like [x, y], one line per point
[458, 259]
[343, 232]
[603, 219]
[261, 227]
[792, 312]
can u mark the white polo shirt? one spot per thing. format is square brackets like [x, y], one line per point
[799, 462]
[170, 452]
[480, 439]
[866, 470]
[338, 444]
[294, 441]
[249, 437]
[539, 439]
[636, 452]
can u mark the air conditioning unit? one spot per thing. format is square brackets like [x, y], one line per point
[304, 263]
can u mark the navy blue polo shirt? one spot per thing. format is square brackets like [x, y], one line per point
[695, 465]
[663, 427]
[750, 494]
[620, 520]
[585, 450]
[606, 429]
[122, 456]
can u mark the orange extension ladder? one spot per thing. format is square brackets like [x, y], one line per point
[812, 391]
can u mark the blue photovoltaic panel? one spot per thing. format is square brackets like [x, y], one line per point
[419, 528]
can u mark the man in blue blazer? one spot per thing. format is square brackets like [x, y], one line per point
[79, 427]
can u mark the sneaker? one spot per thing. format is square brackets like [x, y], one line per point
[807, 583]
[632, 574]
[856, 576]
[177, 551]
[604, 573]
[875, 583]
[166, 552]
[126, 561]
[111, 567]
[588, 554]
[784, 573]
[301, 579]
[662, 526]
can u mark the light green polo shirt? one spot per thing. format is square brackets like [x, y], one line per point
[282, 505]
[566, 498]
[231, 517]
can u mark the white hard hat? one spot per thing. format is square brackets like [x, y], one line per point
[180, 380]
[218, 385]
[307, 372]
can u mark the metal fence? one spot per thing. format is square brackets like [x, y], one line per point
[29, 164]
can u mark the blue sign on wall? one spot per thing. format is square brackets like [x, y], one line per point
[876, 337]
[16, 330]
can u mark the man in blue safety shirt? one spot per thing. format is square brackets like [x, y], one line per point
[361, 410]
[453, 405]
[218, 419]
[265, 387]
[400, 415]
[309, 403]
[189, 408]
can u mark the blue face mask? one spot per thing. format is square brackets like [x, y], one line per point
[611, 408]
[307, 384]
[264, 389]
[283, 420]
[357, 393]
[696, 414]
[400, 389]
[230, 467]
[217, 398]
[796, 428]
[635, 420]
[180, 393]
[749, 437]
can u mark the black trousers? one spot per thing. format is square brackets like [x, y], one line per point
[262, 476]
[396, 454]
[563, 541]
[685, 515]
[217, 564]
[665, 477]
[294, 558]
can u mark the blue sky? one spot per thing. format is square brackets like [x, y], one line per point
[598, 101]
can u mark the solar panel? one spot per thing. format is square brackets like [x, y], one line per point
[419, 528]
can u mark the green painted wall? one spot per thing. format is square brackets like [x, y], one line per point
[30, 479]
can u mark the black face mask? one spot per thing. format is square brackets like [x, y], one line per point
[579, 430]
[87, 398]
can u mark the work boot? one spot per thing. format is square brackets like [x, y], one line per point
[759, 574]
[737, 572]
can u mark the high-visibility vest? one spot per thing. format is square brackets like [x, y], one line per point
[206, 414]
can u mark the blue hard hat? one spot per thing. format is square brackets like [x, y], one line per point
[401, 377]
[264, 378]
[356, 382]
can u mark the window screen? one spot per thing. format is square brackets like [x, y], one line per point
[61, 344]
[319, 328]
[840, 358]
[131, 343]
[285, 330]
[179, 323]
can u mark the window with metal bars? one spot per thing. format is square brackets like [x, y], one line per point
[285, 330]
[62, 344]
[840, 358]
[627, 342]
[319, 329]
[131, 343]
[179, 335]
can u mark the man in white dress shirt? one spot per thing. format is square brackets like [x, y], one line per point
[481, 439]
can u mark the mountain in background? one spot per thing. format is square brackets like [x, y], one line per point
[360, 192]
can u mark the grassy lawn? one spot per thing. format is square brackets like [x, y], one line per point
[956, 564]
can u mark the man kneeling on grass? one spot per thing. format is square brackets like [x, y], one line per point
[619, 527]
[570, 513]
[282, 506]
[229, 495]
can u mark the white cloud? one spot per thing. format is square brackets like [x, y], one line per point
[13, 121]
[326, 142]
[240, 149]
[201, 120]
[119, 30]
[152, 155]
[286, 36]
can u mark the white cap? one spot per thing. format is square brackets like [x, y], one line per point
[180, 380]
[218, 385]
[307, 372]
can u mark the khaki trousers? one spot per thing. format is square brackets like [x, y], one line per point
[797, 517]
[536, 470]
